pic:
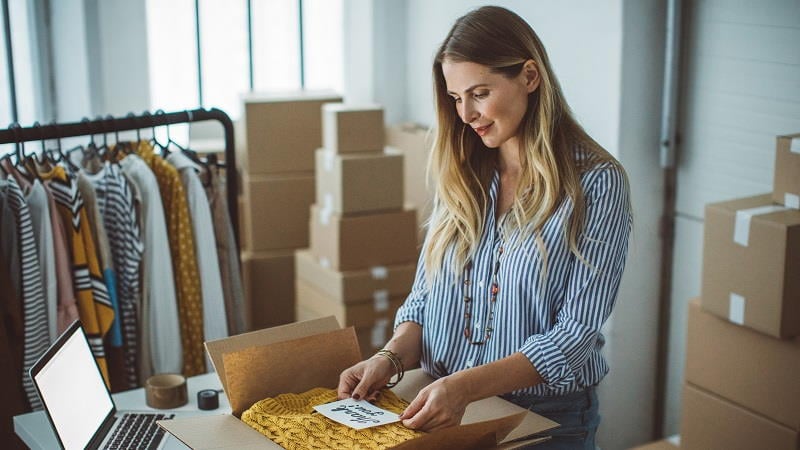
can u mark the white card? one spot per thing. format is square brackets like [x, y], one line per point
[357, 414]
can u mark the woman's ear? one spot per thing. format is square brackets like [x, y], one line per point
[531, 73]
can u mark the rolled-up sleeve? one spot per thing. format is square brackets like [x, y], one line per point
[413, 309]
[559, 354]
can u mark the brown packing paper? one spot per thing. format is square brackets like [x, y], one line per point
[267, 336]
[256, 373]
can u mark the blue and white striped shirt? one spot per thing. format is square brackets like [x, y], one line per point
[555, 320]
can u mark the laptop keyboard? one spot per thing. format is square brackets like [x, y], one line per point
[137, 431]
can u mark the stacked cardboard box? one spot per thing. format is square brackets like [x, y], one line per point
[743, 355]
[276, 141]
[415, 142]
[363, 242]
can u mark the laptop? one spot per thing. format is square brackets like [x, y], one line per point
[79, 405]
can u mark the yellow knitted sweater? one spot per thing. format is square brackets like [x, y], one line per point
[290, 421]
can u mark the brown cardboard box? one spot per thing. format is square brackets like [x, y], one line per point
[786, 186]
[710, 422]
[751, 258]
[354, 286]
[268, 279]
[281, 131]
[276, 211]
[665, 444]
[266, 363]
[370, 339]
[415, 142]
[748, 368]
[360, 182]
[364, 314]
[352, 128]
[365, 240]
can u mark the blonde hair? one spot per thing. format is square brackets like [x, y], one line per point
[550, 141]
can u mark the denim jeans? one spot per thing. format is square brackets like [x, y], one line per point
[577, 413]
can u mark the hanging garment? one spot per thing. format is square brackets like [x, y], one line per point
[94, 306]
[227, 251]
[215, 324]
[160, 345]
[27, 277]
[118, 207]
[113, 340]
[181, 244]
[11, 328]
[39, 208]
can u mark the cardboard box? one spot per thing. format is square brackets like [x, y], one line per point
[360, 182]
[268, 281]
[355, 286]
[359, 315]
[352, 128]
[266, 363]
[276, 211]
[370, 339]
[664, 444]
[415, 142]
[751, 258]
[748, 368]
[786, 185]
[362, 241]
[282, 131]
[711, 422]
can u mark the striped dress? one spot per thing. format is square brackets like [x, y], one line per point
[554, 319]
[94, 305]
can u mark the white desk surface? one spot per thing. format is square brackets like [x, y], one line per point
[35, 431]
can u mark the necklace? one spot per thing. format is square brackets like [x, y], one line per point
[468, 301]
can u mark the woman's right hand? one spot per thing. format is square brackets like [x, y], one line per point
[365, 379]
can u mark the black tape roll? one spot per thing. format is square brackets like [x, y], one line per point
[208, 399]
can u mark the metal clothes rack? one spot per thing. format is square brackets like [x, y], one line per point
[102, 126]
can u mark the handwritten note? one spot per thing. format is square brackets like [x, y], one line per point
[357, 414]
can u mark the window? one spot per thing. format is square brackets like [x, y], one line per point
[242, 44]
[21, 94]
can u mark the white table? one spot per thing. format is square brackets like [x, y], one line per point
[36, 432]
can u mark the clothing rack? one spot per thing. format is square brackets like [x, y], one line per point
[110, 124]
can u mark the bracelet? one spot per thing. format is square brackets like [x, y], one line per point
[396, 362]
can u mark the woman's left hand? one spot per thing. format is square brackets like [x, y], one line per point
[439, 405]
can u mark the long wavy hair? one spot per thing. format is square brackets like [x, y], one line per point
[554, 148]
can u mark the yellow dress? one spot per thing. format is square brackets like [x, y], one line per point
[290, 421]
[184, 261]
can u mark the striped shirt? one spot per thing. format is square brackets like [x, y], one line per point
[554, 320]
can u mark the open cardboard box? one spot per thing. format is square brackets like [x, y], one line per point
[304, 355]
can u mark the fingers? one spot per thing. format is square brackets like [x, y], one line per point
[346, 383]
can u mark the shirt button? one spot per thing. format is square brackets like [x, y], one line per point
[469, 364]
[477, 323]
[480, 284]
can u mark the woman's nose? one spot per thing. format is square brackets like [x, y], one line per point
[468, 112]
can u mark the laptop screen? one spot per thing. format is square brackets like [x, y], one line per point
[72, 389]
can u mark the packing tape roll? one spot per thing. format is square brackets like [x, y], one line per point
[741, 228]
[791, 200]
[166, 391]
[736, 305]
[208, 399]
[380, 300]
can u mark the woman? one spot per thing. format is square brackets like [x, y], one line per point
[525, 247]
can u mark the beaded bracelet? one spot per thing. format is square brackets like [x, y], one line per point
[398, 365]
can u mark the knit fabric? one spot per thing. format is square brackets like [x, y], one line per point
[290, 421]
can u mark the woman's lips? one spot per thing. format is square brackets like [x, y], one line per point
[482, 130]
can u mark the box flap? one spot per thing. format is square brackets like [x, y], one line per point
[294, 366]
[219, 347]
[216, 432]
[464, 437]
[482, 410]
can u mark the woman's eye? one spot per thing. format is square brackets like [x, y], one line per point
[481, 95]
[456, 100]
